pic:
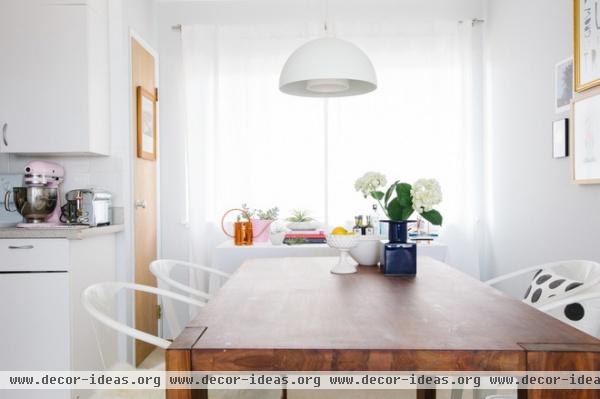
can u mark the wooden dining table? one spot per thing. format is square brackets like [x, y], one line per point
[292, 314]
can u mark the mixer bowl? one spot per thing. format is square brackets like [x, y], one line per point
[35, 204]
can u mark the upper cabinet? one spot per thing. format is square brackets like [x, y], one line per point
[54, 77]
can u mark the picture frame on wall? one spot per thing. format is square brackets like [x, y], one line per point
[146, 124]
[585, 139]
[560, 138]
[563, 85]
[586, 25]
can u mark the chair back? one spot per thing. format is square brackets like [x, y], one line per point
[557, 280]
[99, 299]
[580, 311]
[163, 268]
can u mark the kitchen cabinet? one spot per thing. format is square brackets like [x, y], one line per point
[44, 325]
[37, 316]
[54, 77]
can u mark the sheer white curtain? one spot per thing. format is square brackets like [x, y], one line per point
[247, 142]
[421, 122]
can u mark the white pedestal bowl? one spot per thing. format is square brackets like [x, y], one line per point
[343, 243]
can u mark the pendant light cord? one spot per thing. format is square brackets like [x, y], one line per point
[327, 24]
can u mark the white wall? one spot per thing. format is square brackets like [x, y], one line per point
[174, 244]
[534, 213]
[126, 16]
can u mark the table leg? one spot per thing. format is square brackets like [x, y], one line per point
[200, 394]
[425, 393]
[178, 358]
[561, 357]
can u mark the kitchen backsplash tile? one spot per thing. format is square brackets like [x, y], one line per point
[117, 215]
[110, 164]
[80, 172]
[71, 164]
[4, 163]
[76, 180]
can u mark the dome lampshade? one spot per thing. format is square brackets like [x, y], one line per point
[328, 67]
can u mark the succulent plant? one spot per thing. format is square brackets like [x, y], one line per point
[299, 216]
[269, 214]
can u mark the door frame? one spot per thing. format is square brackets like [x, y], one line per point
[133, 34]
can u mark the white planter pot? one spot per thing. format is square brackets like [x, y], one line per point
[304, 225]
[277, 238]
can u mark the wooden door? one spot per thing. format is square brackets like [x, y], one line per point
[143, 66]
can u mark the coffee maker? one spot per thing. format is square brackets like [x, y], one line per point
[38, 201]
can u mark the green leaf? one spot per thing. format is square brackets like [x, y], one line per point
[389, 192]
[433, 217]
[395, 210]
[404, 196]
[378, 195]
[406, 212]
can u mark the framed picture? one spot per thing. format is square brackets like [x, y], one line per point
[560, 138]
[146, 124]
[563, 85]
[585, 138]
[586, 24]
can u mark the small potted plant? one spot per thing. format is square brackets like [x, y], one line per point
[301, 220]
[261, 222]
[401, 200]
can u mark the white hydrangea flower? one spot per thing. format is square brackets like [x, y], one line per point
[426, 193]
[371, 181]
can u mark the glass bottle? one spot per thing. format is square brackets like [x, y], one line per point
[369, 230]
[358, 227]
[375, 218]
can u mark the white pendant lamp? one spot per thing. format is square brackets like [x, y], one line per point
[328, 67]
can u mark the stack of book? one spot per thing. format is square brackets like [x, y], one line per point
[305, 237]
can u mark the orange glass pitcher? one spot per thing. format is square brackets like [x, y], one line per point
[242, 230]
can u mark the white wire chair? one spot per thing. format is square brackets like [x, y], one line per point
[162, 269]
[592, 328]
[588, 302]
[98, 299]
[556, 280]
[581, 270]
[587, 272]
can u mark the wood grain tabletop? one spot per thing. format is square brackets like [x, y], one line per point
[292, 314]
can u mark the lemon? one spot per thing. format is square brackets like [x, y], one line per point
[339, 231]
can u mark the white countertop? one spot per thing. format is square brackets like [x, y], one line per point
[70, 233]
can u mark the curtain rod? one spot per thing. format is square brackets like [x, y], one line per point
[474, 21]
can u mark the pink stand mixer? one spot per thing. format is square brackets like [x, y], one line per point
[38, 201]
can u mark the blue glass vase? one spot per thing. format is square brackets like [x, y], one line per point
[399, 257]
[397, 232]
